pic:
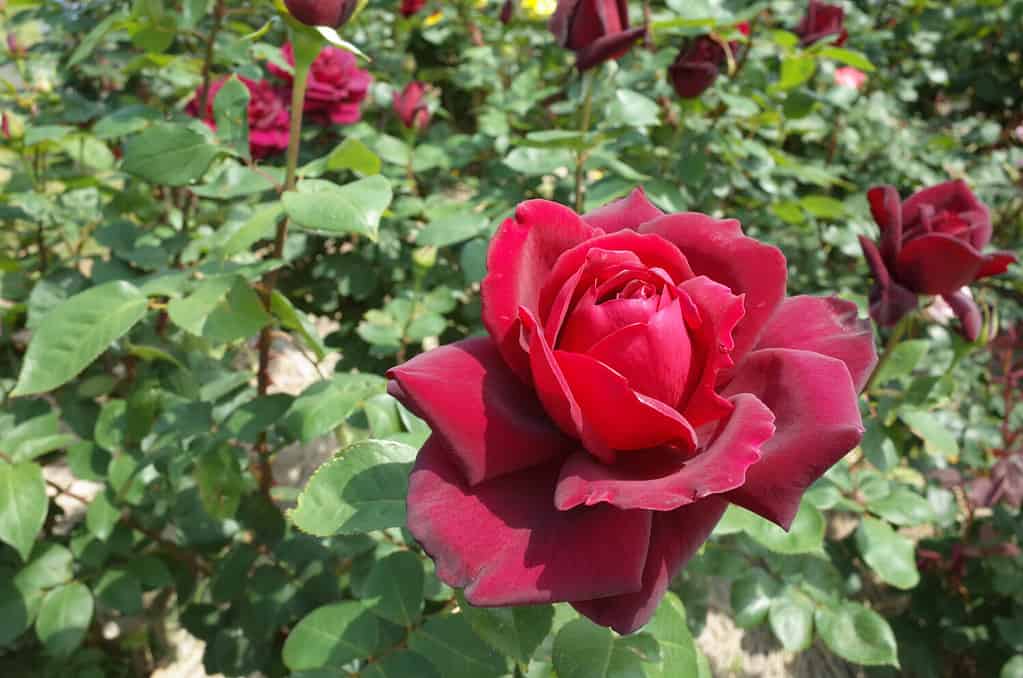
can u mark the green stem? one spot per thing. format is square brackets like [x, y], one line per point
[584, 126]
[893, 340]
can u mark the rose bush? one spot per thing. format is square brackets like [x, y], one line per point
[643, 371]
[930, 244]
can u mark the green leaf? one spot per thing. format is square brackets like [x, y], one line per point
[584, 650]
[168, 154]
[35, 437]
[326, 404]
[328, 209]
[332, 635]
[222, 309]
[231, 111]
[537, 161]
[120, 590]
[795, 70]
[903, 360]
[1012, 668]
[352, 154]
[102, 516]
[220, 481]
[51, 565]
[823, 206]
[76, 332]
[791, 618]
[888, 553]
[751, 597]
[454, 650]
[90, 41]
[18, 608]
[296, 320]
[903, 507]
[360, 490]
[804, 536]
[261, 225]
[848, 57]
[513, 631]
[23, 504]
[857, 633]
[633, 109]
[394, 589]
[451, 229]
[64, 618]
[401, 664]
[679, 656]
[937, 439]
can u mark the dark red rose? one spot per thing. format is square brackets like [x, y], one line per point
[507, 11]
[930, 244]
[696, 67]
[331, 13]
[411, 107]
[410, 7]
[269, 120]
[596, 30]
[336, 88]
[820, 21]
[642, 370]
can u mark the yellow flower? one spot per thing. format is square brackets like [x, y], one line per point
[539, 9]
[434, 19]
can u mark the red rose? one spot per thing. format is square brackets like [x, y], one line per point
[507, 11]
[336, 85]
[930, 244]
[696, 68]
[822, 20]
[410, 7]
[331, 13]
[269, 120]
[642, 371]
[411, 107]
[596, 30]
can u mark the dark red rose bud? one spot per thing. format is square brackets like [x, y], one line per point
[410, 106]
[5, 127]
[821, 21]
[410, 7]
[507, 11]
[331, 13]
[16, 49]
[696, 67]
[596, 30]
[930, 244]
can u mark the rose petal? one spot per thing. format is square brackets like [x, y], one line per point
[817, 421]
[607, 47]
[825, 325]
[996, 263]
[886, 207]
[953, 196]
[590, 322]
[504, 541]
[937, 263]
[674, 538]
[966, 310]
[660, 483]
[627, 213]
[621, 418]
[492, 422]
[654, 356]
[521, 257]
[713, 347]
[889, 300]
[719, 250]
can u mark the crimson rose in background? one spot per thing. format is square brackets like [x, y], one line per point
[641, 372]
[410, 106]
[268, 115]
[822, 20]
[331, 13]
[410, 7]
[596, 30]
[930, 244]
[337, 86]
[696, 67]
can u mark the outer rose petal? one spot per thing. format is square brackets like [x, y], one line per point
[937, 264]
[719, 250]
[630, 213]
[889, 300]
[492, 422]
[966, 310]
[607, 47]
[817, 421]
[996, 263]
[658, 484]
[825, 325]
[674, 538]
[887, 210]
[504, 541]
[521, 257]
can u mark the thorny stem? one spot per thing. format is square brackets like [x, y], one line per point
[584, 127]
[218, 19]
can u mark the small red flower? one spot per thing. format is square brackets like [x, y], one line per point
[268, 115]
[336, 88]
[822, 20]
[411, 107]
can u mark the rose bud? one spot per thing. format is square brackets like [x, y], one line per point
[268, 115]
[410, 7]
[336, 87]
[820, 21]
[14, 47]
[507, 11]
[411, 107]
[596, 30]
[331, 13]
[641, 372]
[696, 67]
[930, 244]
[847, 76]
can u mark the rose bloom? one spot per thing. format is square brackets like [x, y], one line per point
[642, 371]
[331, 13]
[847, 76]
[822, 20]
[596, 30]
[930, 244]
[269, 120]
[336, 88]
[410, 7]
[410, 106]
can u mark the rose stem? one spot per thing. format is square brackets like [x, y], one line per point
[584, 126]
[893, 340]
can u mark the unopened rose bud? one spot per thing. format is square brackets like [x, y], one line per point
[331, 13]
